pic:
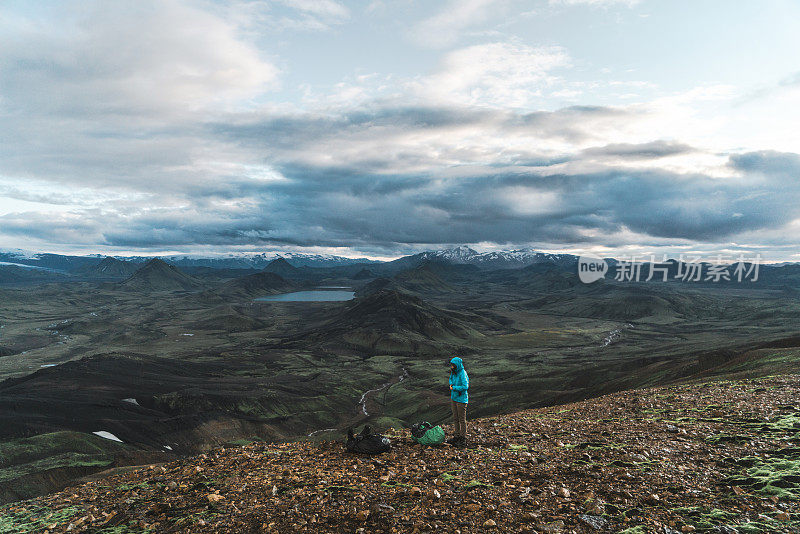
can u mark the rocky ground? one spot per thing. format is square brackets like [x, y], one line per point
[718, 457]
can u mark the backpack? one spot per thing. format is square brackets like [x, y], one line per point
[425, 433]
[366, 442]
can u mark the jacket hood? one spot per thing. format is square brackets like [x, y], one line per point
[458, 363]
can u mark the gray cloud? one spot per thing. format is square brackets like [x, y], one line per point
[382, 139]
[769, 163]
[125, 59]
[145, 124]
[368, 202]
[366, 210]
[651, 150]
[108, 95]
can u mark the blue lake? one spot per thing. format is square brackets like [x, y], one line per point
[310, 296]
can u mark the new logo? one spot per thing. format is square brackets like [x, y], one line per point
[591, 269]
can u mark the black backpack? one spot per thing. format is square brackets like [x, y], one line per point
[366, 442]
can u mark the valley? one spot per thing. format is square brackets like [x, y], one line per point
[173, 362]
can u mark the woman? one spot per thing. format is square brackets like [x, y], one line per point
[459, 384]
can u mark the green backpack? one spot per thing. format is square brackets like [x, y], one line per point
[426, 434]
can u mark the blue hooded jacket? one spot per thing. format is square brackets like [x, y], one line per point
[460, 382]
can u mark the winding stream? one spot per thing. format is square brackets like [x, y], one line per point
[361, 407]
[614, 335]
[362, 403]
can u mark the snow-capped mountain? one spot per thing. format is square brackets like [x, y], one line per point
[513, 259]
[65, 263]
[53, 262]
[16, 253]
[522, 258]
[462, 254]
[255, 260]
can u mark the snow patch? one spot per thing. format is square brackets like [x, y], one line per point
[497, 259]
[323, 430]
[132, 401]
[26, 266]
[107, 435]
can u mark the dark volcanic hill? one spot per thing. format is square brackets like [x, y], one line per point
[158, 275]
[393, 311]
[228, 318]
[283, 268]
[627, 303]
[422, 279]
[110, 268]
[363, 274]
[432, 277]
[395, 321]
[376, 285]
[542, 278]
[716, 457]
[255, 285]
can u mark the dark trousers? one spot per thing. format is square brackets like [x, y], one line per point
[459, 417]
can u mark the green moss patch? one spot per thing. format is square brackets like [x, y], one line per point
[33, 518]
[125, 529]
[27, 464]
[206, 515]
[472, 484]
[449, 476]
[597, 445]
[770, 476]
[704, 519]
[129, 487]
[712, 519]
[55, 449]
[788, 426]
[759, 527]
[717, 439]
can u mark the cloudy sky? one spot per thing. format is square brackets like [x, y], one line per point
[379, 128]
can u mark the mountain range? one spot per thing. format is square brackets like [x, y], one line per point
[491, 260]
[105, 266]
[75, 264]
[110, 267]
